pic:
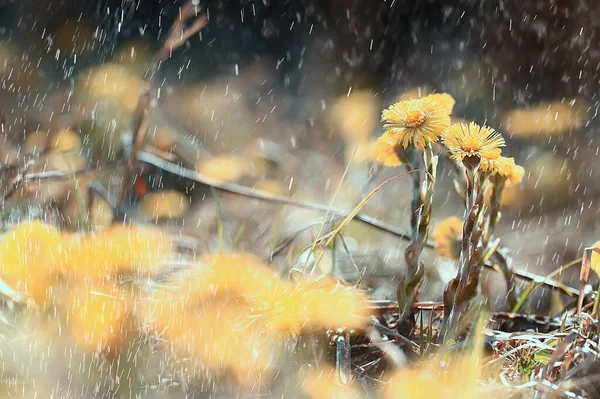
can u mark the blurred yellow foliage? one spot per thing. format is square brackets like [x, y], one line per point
[231, 309]
[323, 384]
[117, 249]
[164, 204]
[64, 140]
[29, 256]
[112, 82]
[354, 117]
[98, 317]
[546, 119]
[444, 377]
[33, 254]
[226, 167]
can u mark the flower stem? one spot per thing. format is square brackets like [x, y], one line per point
[407, 289]
[472, 212]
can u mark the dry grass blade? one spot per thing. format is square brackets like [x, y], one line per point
[357, 209]
[538, 281]
[322, 226]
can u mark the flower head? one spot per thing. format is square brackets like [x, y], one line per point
[466, 141]
[318, 305]
[164, 204]
[416, 121]
[28, 259]
[447, 237]
[99, 318]
[386, 150]
[443, 99]
[505, 168]
[355, 116]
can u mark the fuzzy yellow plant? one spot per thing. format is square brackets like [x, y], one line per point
[283, 308]
[319, 305]
[417, 93]
[34, 254]
[164, 204]
[447, 237]
[547, 119]
[443, 376]
[355, 116]
[112, 82]
[239, 274]
[99, 317]
[417, 122]
[117, 249]
[232, 310]
[386, 150]
[64, 140]
[323, 384]
[228, 167]
[505, 168]
[443, 99]
[219, 336]
[472, 140]
[28, 258]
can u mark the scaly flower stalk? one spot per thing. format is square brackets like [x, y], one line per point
[415, 269]
[503, 172]
[414, 125]
[475, 146]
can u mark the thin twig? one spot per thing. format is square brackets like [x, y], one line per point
[148, 101]
[248, 192]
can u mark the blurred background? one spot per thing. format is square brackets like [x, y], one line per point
[278, 95]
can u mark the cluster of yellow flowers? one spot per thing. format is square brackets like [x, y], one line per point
[230, 311]
[76, 273]
[233, 311]
[424, 121]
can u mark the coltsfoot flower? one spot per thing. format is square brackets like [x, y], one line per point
[505, 168]
[416, 121]
[547, 119]
[386, 150]
[468, 141]
[443, 99]
[447, 237]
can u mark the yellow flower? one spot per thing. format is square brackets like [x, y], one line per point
[444, 99]
[229, 167]
[547, 119]
[506, 168]
[164, 204]
[447, 237]
[117, 249]
[473, 140]
[324, 385]
[416, 121]
[386, 150]
[355, 116]
[99, 317]
[361, 152]
[29, 259]
[319, 305]
[218, 335]
[457, 376]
